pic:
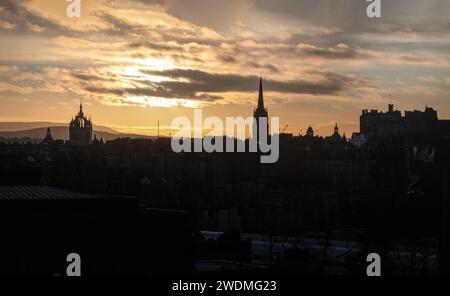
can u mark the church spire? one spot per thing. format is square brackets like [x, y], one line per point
[261, 95]
[260, 111]
[81, 105]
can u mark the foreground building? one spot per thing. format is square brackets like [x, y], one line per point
[112, 234]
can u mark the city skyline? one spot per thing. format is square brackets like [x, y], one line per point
[259, 111]
[139, 62]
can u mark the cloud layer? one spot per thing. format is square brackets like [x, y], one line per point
[169, 53]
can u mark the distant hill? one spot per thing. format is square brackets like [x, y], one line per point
[23, 126]
[62, 133]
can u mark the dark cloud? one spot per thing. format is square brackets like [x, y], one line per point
[152, 2]
[198, 85]
[339, 52]
[216, 14]
[413, 59]
[258, 51]
[269, 67]
[16, 13]
[337, 37]
[350, 15]
[252, 64]
[134, 3]
[94, 78]
[118, 26]
[154, 46]
[11, 6]
[147, 2]
[326, 22]
[104, 90]
[227, 58]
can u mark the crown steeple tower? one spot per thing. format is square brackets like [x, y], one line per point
[80, 128]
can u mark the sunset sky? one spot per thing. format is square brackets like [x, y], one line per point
[135, 62]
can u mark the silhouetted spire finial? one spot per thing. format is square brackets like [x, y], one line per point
[261, 95]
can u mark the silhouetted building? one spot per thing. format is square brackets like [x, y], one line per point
[80, 129]
[335, 138]
[319, 185]
[380, 124]
[48, 140]
[45, 224]
[310, 132]
[261, 112]
[97, 141]
[358, 139]
[443, 154]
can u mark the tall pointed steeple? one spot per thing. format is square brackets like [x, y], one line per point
[81, 105]
[261, 95]
[261, 112]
